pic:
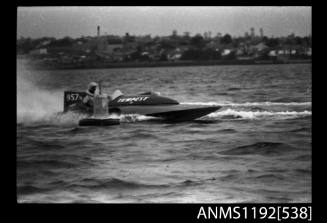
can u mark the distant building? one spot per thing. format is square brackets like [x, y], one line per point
[174, 56]
[308, 52]
[226, 52]
[213, 44]
[281, 52]
[44, 44]
[272, 53]
[261, 32]
[41, 51]
[111, 48]
[245, 58]
[252, 32]
[243, 49]
[259, 47]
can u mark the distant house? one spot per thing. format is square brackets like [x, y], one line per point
[240, 51]
[261, 46]
[66, 59]
[182, 49]
[64, 50]
[101, 44]
[43, 44]
[244, 58]
[111, 48]
[40, 51]
[174, 56]
[258, 48]
[176, 53]
[308, 51]
[120, 54]
[286, 50]
[281, 52]
[226, 52]
[272, 53]
[223, 48]
[145, 53]
[130, 45]
[87, 46]
[214, 44]
[117, 57]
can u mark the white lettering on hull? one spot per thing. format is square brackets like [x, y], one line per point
[131, 100]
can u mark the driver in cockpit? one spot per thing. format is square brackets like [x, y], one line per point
[93, 90]
[90, 93]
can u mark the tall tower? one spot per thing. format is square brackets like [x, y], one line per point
[261, 32]
[98, 31]
[98, 39]
[252, 32]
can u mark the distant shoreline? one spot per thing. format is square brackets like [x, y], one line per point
[104, 65]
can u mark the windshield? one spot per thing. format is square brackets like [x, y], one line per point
[150, 93]
[116, 94]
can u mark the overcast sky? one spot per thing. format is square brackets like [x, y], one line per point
[58, 22]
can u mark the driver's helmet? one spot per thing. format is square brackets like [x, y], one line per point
[92, 87]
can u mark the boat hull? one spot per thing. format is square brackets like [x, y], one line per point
[176, 113]
[147, 104]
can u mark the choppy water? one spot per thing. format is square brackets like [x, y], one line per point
[257, 148]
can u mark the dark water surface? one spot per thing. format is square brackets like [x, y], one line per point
[257, 148]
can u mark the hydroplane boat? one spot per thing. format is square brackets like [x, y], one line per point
[148, 104]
